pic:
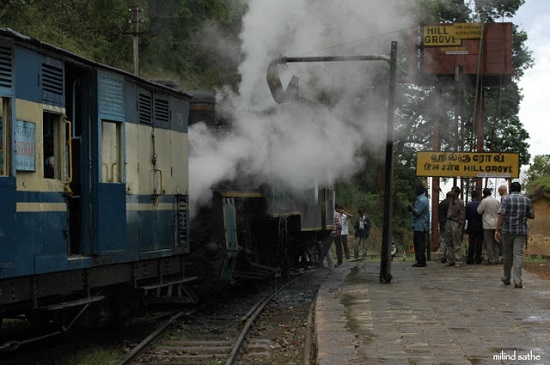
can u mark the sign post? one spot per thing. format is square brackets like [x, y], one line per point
[467, 164]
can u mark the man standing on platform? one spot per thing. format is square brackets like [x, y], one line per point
[336, 233]
[345, 231]
[502, 191]
[454, 227]
[512, 232]
[442, 217]
[488, 208]
[362, 227]
[475, 230]
[420, 221]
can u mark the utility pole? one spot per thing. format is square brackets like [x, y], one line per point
[281, 96]
[385, 256]
[135, 10]
[434, 237]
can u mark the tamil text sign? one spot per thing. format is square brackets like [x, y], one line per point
[467, 164]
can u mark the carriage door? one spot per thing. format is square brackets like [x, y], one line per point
[7, 187]
[111, 190]
[7, 178]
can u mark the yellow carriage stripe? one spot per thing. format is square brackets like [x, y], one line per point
[62, 207]
[41, 207]
[150, 206]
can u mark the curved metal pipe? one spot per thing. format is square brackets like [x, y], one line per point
[280, 95]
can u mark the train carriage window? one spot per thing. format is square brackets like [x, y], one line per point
[52, 137]
[111, 151]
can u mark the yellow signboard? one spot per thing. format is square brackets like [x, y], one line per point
[449, 35]
[467, 30]
[467, 164]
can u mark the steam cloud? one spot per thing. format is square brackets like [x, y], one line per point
[301, 143]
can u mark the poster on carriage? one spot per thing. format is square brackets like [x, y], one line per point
[25, 146]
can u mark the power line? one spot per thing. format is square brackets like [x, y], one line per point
[358, 41]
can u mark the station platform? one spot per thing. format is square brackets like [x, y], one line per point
[433, 315]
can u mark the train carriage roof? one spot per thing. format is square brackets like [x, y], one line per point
[38, 45]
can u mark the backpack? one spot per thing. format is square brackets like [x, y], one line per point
[368, 223]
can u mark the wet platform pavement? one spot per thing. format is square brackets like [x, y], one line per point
[432, 315]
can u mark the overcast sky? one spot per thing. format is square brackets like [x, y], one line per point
[534, 17]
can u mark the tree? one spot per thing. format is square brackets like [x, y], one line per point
[502, 124]
[195, 41]
[420, 104]
[491, 10]
[538, 175]
[93, 29]
[192, 42]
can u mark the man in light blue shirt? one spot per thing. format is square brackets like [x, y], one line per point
[420, 222]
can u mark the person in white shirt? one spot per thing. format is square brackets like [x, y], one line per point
[345, 231]
[362, 232]
[488, 208]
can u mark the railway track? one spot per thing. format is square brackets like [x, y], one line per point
[265, 324]
[246, 329]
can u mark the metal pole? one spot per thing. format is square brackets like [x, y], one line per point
[435, 180]
[385, 256]
[281, 96]
[135, 36]
[479, 112]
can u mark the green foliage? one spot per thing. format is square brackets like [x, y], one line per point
[522, 57]
[351, 197]
[538, 174]
[538, 259]
[503, 130]
[92, 29]
[425, 11]
[491, 10]
[194, 41]
[452, 11]
[439, 11]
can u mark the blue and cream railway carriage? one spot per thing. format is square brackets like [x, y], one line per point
[93, 180]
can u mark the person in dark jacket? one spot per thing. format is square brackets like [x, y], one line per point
[474, 230]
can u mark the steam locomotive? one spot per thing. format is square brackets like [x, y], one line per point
[94, 185]
[252, 229]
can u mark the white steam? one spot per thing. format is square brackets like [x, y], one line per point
[300, 142]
